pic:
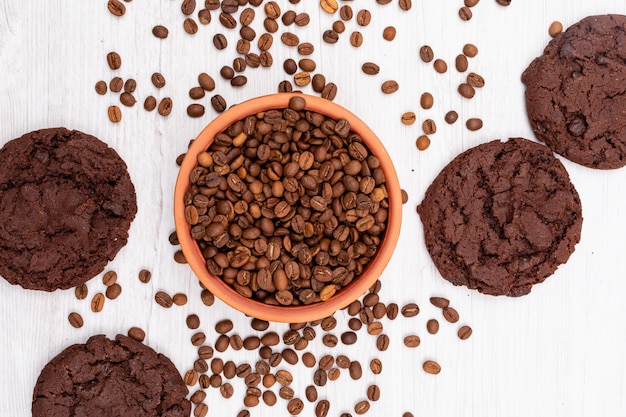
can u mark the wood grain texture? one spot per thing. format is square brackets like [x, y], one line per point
[556, 352]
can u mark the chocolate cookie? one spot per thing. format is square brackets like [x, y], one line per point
[110, 378]
[501, 217]
[66, 204]
[576, 94]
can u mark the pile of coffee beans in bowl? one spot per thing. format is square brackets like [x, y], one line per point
[288, 206]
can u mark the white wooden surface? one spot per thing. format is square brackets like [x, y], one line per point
[556, 352]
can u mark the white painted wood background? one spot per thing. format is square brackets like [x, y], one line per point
[559, 351]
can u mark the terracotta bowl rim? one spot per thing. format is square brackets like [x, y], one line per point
[258, 309]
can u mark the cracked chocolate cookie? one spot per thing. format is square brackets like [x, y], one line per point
[576, 92]
[110, 378]
[501, 217]
[66, 204]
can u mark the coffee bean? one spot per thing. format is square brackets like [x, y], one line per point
[429, 127]
[426, 53]
[405, 4]
[320, 377]
[207, 298]
[116, 84]
[196, 93]
[116, 7]
[302, 19]
[295, 406]
[392, 311]
[339, 26]
[75, 319]
[329, 6]
[408, 118]
[356, 39]
[322, 408]
[389, 33]
[218, 103]
[318, 82]
[101, 88]
[412, 341]
[362, 407]
[227, 20]
[355, 370]
[376, 366]
[375, 328]
[269, 398]
[466, 90]
[370, 68]
[503, 2]
[422, 142]
[227, 390]
[432, 326]
[205, 352]
[426, 100]
[451, 117]
[115, 114]
[97, 302]
[265, 42]
[326, 362]
[404, 195]
[191, 377]
[465, 13]
[114, 60]
[431, 367]
[307, 65]
[179, 299]
[363, 17]
[150, 103]
[193, 321]
[158, 80]
[160, 31]
[308, 359]
[302, 79]
[190, 26]
[195, 110]
[197, 397]
[163, 299]
[450, 314]
[470, 3]
[219, 41]
[306, 48]
[127, 99]
[204, 17]
[165, 107]
[440, 66]
[555, 28]
[188, 7]
[113, 291]
[373, 393]
[289, 39]
[410, 310]
[475, 80]
[311, 393]
[330, 36]
[474, 124]
[470, 50]
[389, 87]
[464, 332]
[206, 82]
[461, 63]
[136, 333]
[81, 291]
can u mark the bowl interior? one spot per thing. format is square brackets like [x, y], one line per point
[258, 309]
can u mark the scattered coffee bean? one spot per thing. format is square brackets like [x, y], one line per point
[451, 117]
[97, 302]
[218, 103]
[503, 2]
[422, 142]
[219, 41]
[440, 66]
[356, 39]
[461, 63]
[389, 87]
[302, 79]
[426, 53]
[426, 100]
[204, 17]
[306, 48]
[474, 124]
[555, 28]
[160, 31]
[116, 7]
[464, 332]
[81, 291]
[408, 118]
[375, 328]
[362, 407]
[432, 326]
[363, 17]
[370, 68]
[75, 319]
[465, 13]
[431, 367]
[158, 80]
[115, 114]
[355, 370]
[193, 321]
[405, 199]
[466, 90]
[376, 366]
[127, 99]
[136, 333]
[269, 398]
[145, 276]
[195, 110]
[207, 298]
[475, 80]
[382, 342]
[130, 86]
[450, 314]
[470, 50]
[412, 341]
[318, 82]
[389, 33]
[329, 6]
[392, 308]
[164, 109]
[410, 310]
[405, 4]
[101, 87]
[114, 60]
[373, 393]
[113, 291]
[150, 103]
[116, 84]
[188, 7]
[206, 82]
[439, 302]
[179, 299]
[190, 26]
[197, 397]
[163, 299]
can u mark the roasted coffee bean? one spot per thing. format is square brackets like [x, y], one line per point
[206, 82]
[339, 26]
[450, 314]
[97, 302]
[355, 324]
[355, 370]
[109, 278]
[376, 366]
[432, 326]
[116, 7]
[363, 17]
[75, 319]
[431, 367]
[320, 377]
[190, 26]
[116, 84]
[318, 82]
[295, 406]
[349, 338]
[426, 53]
[227, 20]
[193, 321]
[114, 60]
[113, 291]
[408, 118]
[329, 6]
[219, 41]
[451, 117]
[259, 325]
[101, 88]
[311, 393]
[290, 66]
[307, 65]
[389, 33]
[382, 342]
[466, 90]
[389, 87]
[204, 17]
[356, 39]
[405, 198]
[373, 393]
[440, 66]
[197, 397]
[158, 80]
[302, 19]
[163, 299]
[345, 12]
[205, 352]
[289, 39]
[218, 103]
[465, 13]
[127, 99]
[198, 338]
[308, 359]
[302, 79]
[464, 332]
[130, 86]
[412, 341]
[475, 80]
[426, 100]
[410, 310]
[115, 114]
[474, 124]
[269, 398]
[81, 291]
[555, 28]
[227, 390]
[422, 142]
[306, 48]
[503, 2]
[164, 109]
[461, 63]
[160, 31]
[196, 93]
[179, 299]
[188, 7]
[405, 4]
[470, 50]
[370, 68]
[150, 103]
[265, 42]
[330, 36]
[429, 127]
[362, 407]
[322, 408]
